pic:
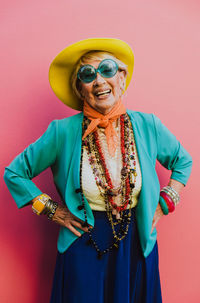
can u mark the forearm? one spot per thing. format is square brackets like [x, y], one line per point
[178, 186]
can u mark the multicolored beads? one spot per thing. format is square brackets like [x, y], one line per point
[103, 180]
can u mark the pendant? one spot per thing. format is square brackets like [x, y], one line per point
[124, 171]
[114, 191]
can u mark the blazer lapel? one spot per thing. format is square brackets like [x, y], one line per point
[73, 182]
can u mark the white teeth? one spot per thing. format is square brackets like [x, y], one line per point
[104, 92]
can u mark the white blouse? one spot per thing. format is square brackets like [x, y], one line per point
[114, 165]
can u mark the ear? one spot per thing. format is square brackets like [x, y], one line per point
[122, 76]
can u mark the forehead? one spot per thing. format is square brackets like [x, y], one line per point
[95, 58]
[93, 62]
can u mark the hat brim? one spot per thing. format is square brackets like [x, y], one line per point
[62, 67]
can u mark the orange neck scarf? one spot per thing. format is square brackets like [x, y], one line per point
[105, 121]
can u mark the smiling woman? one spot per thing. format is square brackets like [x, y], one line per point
[103, 163]
[107, 89]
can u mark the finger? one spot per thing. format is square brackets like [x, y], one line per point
[79, 225]
[81, 222]
[153, 226]
[155, 221]
[74, 218]
[74, 230]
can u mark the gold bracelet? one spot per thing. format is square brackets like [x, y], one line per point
[39, 205]
[51, 209]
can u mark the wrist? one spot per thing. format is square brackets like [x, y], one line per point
[168, 200]
[43, 204]
[172, 194]
[176, 185]
[39, 203]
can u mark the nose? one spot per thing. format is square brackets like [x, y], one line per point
[99, 79]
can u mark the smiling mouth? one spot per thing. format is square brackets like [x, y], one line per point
[103, 93]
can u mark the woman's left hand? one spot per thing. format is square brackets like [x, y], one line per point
[158, 214]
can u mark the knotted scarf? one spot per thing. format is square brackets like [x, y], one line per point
[105, 121]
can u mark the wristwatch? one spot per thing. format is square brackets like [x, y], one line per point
[39, 205]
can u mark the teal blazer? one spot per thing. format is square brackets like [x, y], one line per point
[60, 148]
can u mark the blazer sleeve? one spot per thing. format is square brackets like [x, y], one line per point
[31, 162]
[171, 154]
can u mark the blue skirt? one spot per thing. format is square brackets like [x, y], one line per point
[121, 275]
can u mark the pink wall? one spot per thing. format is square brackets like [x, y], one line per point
[166, 42]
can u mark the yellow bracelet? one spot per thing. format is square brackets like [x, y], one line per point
[39, 204]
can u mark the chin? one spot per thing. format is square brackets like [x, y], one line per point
[105, 107]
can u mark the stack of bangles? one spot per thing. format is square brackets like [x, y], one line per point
[45, 205]
[168, 200]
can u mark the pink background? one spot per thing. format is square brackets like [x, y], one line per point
[165, 37]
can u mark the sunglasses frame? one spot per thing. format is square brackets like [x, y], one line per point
[97, 70]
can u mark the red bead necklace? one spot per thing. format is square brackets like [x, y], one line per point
[104, 182]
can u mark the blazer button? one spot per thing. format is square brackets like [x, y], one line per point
[80, 207]
[78, 190]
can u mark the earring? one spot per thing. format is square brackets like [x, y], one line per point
[122, 88]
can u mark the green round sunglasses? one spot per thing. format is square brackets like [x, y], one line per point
[107, 69]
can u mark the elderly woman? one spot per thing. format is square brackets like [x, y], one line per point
[103, 162]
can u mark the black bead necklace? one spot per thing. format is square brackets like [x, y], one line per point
[123, 224]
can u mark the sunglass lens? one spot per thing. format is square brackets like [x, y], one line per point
[87, 73]
[108, 68]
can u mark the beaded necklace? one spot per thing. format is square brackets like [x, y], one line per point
[104, 182]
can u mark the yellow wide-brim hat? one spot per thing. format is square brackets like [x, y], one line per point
[62, 67]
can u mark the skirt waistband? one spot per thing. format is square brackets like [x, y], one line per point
[102, 214]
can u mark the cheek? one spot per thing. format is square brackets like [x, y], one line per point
[116, 83]
[116, 87]
[86, 90]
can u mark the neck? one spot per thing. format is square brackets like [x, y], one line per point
[104, 111]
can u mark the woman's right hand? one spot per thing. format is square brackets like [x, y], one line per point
[65, 218]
